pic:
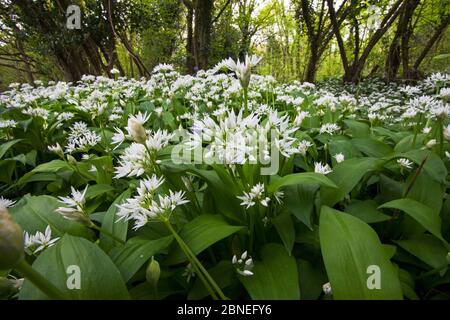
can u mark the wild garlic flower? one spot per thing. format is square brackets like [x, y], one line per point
[447, 132]
[327, 289]
[149, 205]
[405, 163]
[136, 128]
[74, 209]
[303, 146]
[256, 194]
[243, 265]
[81, 138]
[243, 69]
[324, 169]
[329, 128]
[6, 203]
[57, 149]
[139, 158]
[39, 241]
[7, 124]
[339, 157]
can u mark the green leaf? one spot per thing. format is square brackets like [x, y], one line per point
[48, 167]
[299, 200]
[111, 225]
[346, 176]
[286, 231]
[300, 178]
[349, 247]
[423, 214]
[434, 165]
[131, 257]
[200, 233]
[275, 277]
[366, 211]
[4, 147]
[34, 213]
[372, 147]
[99, 277]
[357, 128]
[97, 190]
[427, 248]
[311, 277]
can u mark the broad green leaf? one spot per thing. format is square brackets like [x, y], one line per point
[349, 247]
[286, 231]
[97, 190]
[427, 248]
[367, 211]
[200, 233]
[111, 225]
[358, 129]
[34, 213]
[346, 176]
[131, 257]
[275, 277]
[434, 165]
[300, 178]
[427, 191]
[4, 147]
[372, 147]
[299, 199]
[48, 167]
[99, 277]
[423, 214]
[311, 277]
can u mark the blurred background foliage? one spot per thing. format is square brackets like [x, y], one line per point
[307, 40]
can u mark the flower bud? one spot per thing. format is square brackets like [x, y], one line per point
[153, 272]
[136, 130]
[71, 159]
[11, 241]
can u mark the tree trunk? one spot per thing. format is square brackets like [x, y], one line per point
[202, 32]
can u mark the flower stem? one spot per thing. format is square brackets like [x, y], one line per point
[39, 281]
[202, 272]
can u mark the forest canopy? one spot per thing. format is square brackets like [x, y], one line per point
[306, 40]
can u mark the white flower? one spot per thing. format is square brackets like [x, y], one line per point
[146, 206]
[114, 71]
[447, 132]
[136, 128]
[6, 203]
[40, 240]
[322, 168]
[339, 157]
[56, 149]
[327, 288]
[256, 194]
[405, 163]
[430, 144]
[243, 265]
[118, 137]
[74, 209]
[426, 130]
[303, 147]
[329, 128]
[241, 69]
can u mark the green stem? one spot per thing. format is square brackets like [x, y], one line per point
[39, 281]
[196, 263]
